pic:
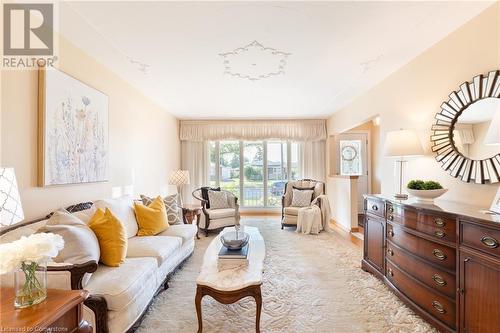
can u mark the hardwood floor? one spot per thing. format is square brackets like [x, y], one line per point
[347, 235]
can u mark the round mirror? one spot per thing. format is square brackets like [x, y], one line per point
[466, 134]
[469, 132]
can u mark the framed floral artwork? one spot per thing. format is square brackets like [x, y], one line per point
[73, 130]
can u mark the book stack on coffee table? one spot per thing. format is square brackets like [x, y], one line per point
[232, 258]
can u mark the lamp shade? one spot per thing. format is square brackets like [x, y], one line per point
[179, 177]
[11, 210]
[493, 135]
[402, 143]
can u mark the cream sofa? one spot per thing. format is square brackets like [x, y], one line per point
[289, 214]
[119, 295]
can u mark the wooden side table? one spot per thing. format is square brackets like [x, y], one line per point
[189, 212]
[61, 312]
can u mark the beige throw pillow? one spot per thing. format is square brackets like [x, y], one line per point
[301, 198]
[170, 201]
[218, 199]
[80, 242]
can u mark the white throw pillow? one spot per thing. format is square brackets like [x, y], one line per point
[86, 215]
[301, 198]
[217, 199]
[80, 242]
[123, 209]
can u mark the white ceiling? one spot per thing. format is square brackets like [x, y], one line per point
[171, 50]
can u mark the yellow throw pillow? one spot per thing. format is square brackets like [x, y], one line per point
[112, 237]
[152, 219]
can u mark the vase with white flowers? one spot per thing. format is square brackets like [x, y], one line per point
[27, 258]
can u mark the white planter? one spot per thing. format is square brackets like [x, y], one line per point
[426, 196]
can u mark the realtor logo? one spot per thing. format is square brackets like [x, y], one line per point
[28, 29]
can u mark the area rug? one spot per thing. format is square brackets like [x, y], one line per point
[312, 283]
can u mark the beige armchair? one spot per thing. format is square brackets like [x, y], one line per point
[289, 213]
[216, 219]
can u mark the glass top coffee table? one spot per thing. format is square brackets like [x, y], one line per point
[230, 285]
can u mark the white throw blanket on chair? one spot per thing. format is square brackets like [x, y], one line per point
[315, 218]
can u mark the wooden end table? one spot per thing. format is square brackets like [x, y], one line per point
[189, 212]
[61, 312]
[230, 285]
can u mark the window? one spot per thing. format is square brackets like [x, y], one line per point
[255, 171]
[229, 166]
[277, 171]
[213, 148]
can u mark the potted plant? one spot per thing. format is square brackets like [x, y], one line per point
[425, 191]
[27, 257]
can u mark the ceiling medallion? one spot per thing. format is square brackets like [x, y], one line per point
[142, 67]
[254, 62]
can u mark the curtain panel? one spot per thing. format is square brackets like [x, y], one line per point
[294, 130]
[312, 160]
[195, 158]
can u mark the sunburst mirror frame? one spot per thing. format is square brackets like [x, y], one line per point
[459, 166]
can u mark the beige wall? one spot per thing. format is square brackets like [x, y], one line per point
[411, 97]
[342, 196]
[143, 137]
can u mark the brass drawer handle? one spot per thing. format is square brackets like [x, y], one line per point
[375, 207]
[490, 242]
[390, 252]
[390, 210]
[390, 272]
[390, 217]
[439, 280]
[439, 254]
[439, 222]
[438, 306]
[439, 233]
[390, 233]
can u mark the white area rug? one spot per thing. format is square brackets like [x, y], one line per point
[312, 283]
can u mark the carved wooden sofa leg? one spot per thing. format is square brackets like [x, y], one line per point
[99, 306]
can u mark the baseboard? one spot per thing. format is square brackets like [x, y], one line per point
[344, 228]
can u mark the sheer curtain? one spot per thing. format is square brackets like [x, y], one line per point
[252, 130]
[195, 137]
[195, 158]
[312, 158]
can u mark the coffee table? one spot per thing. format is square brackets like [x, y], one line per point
[230, 285]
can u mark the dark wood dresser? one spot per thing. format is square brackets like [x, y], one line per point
[442, 260]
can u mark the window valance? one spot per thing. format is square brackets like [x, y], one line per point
[211, 130]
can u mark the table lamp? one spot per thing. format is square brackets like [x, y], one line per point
[11, 210]
[493, 135]
[402, 144]
[179, 178]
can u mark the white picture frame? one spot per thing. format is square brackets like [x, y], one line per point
[495, 205]
[73, 134]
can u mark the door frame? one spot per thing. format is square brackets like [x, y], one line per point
[336, 140]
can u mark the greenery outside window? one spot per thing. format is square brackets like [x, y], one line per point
[266, 167]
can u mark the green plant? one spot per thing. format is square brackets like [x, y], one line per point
[432, 185]
[418, 184]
